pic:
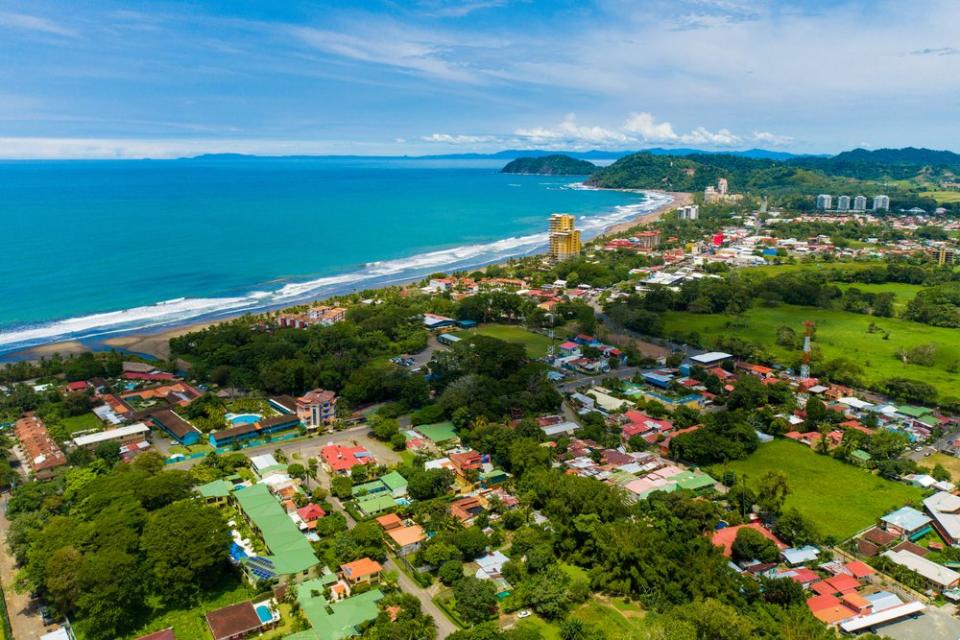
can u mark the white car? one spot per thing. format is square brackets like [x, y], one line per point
[524, 614]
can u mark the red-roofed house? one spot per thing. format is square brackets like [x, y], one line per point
[640, 423]
[311, 513]
[804, 576]
[859, 569]
[339, 459]
[725, 537]
[829, 609]
[78, 385]
[844, 583]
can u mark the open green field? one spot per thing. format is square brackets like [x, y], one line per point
[838, 498]
[615, 616]
[774, 269]
[904, 292]
[190, 623]
[839, 334]
[535, 344]
[948, 462]
[83, 422]
[943, 197]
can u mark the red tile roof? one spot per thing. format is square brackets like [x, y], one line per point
[859, 569]
[844, 583]
[725, 537]
[341, 458]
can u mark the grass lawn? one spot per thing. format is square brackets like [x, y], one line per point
[839, 334]
[943, 197]
[616, 617]
[904, 292]
[535, 344]
[949, 463]
[190, 623]
[838, 498]
[83, 422]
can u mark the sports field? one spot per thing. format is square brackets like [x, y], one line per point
[838, 334]
[839, 498]
[535, 344]
[943, 197]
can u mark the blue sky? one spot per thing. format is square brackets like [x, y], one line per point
[84, 78]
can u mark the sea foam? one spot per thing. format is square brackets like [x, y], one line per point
[181, 311]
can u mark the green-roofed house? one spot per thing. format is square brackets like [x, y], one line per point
[493, 478]
[439, 432]
[698, 483]
[913, 412]
[368, 488]
[291, 556]
[334, 620]
[216, 493]
[375, 504]
[396, 483]
[860, 457]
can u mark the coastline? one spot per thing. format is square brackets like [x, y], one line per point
[155, 343]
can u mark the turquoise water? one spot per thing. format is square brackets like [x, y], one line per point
[243, 418]
[263, 612]
[105, 247]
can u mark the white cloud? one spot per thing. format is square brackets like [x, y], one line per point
[33, 23]
[721, 138]
[570, 130]
[647, 127]
[446, 138]
[765, 137]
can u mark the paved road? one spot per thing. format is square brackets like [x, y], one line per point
[575, 383]
[24, 620]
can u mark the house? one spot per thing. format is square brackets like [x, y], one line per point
[936, 575]
[906, 522]
[801, 555]
[361, 571]
[640, 424]
[216, 493]
[371, 505]
[433, 321]
[390, 521]
[310, 514]
[316, 408]
[491, 568]
[175, 426]
[77, 386]
[405, 540]
[726, 536]
[41, 453]
[122, 436]
[829, 609]
[234, 622]
[944, 508]
[396, 484]
[340, 460]
[466, 509]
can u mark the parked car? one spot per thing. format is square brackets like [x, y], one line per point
[524, 614]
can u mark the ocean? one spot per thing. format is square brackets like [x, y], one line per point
[98, 248]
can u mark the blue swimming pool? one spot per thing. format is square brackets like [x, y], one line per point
[243, 418]
[263, 612]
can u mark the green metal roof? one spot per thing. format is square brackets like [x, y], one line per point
[376, 503]
[860, 454]
[394, 481]
[439, 432]
[695, 481]
[913, 412]
[215, 489]
[374, 486]
[335, 620]
[290, 550]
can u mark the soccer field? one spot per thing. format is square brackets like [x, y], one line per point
[840, 499]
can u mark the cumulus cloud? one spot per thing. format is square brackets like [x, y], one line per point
[570, 130]
[647, 127]
[765, 137]
[447, 138]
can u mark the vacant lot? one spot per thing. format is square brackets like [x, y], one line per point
[948, 462]
[615, 616]
[838, 498]
[535, 344]
[943, 197]
[839, 334]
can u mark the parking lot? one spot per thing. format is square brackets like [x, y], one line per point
[935, 623]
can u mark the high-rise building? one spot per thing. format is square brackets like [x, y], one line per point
[860, 203]
[946, 254]
[824, 201]
[564, 238]
[722, 186]
[843, 203]
[688, 212]
[881, 203]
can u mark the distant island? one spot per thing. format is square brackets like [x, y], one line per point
[556, 165]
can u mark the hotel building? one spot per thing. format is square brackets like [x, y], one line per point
[564, 238]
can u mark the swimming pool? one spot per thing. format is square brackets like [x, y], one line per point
[243, 418]
[264, 613]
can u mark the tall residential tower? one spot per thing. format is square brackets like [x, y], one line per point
[564, 238]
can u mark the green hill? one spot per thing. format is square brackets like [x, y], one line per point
[556, 165]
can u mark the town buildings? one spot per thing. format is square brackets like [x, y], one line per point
[824, 201]
[881, 203]
[688, 212]
[860, 203]
[317, 407]
[41, 453]
[843, 203]
[564, 237]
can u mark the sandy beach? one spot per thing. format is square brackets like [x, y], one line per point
[157, 344]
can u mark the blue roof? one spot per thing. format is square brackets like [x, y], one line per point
[907, 518]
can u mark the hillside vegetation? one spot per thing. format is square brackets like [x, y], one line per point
[556, 165]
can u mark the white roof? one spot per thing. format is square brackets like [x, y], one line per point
[856, 403]
[887, 615]
[945, 509]
[938, 574]
[492, 562]
[883, 600]
[112, 434]
[711, 357]
[560, 427]
[57, 634]
[263, 461]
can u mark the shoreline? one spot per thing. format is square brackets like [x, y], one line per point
[156, 343]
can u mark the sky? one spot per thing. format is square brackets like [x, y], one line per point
[107, 79]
